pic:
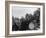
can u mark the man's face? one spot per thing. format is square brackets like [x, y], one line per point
[17, 21]
[28, 17]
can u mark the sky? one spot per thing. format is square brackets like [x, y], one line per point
[21, 11]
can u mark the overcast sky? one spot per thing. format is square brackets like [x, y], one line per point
[21, 11]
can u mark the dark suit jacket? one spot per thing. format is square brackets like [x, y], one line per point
[25, 25]
[14, 27]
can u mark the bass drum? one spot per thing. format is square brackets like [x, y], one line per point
[31, 26]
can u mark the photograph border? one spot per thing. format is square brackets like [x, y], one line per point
[7, 18]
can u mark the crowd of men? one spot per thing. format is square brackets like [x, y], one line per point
[23, 23]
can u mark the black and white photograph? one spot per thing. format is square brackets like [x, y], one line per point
[24, 18]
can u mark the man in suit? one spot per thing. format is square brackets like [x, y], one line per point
[25, 23]
[37, 19]
[17, 25]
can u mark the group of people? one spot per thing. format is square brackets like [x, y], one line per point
[23, 23]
